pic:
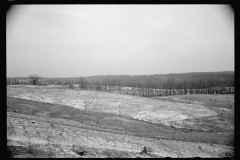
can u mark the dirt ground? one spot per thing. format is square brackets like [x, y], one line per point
[150, 110]
[76, 123]
[222, 105]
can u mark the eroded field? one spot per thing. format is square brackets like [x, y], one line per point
[222, 105]
[150, 110]
[113, 125]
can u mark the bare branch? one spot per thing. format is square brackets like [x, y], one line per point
[34, 79]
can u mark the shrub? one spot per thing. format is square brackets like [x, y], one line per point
[71, 86]
[146, 150]
[79, 150]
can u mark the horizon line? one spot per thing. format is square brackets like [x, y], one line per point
[124, 74]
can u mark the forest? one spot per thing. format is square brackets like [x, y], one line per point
[146, 85]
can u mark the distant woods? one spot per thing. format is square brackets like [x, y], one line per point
[33, 79]
[149, 85]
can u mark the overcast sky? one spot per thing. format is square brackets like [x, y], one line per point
[85, 40]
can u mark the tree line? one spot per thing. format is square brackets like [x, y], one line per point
[150, 85]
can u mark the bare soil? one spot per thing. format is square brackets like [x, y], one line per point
[40, 129]
[222, 105]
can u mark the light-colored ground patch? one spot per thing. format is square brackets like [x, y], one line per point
[61, 136]
[151, 110]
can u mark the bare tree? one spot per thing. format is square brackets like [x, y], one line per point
[98, 86]
[15, 80]
[71, 86]
[185, 86]
[170, 85]
[8, 81]
[105, 82]
[82, 83]
[34, 79]
[113, 82]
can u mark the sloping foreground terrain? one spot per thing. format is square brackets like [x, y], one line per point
[150, 110]
[37, 129]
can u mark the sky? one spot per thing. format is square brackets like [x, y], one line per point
[86, 40]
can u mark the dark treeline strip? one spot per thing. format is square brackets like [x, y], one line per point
[150, 85]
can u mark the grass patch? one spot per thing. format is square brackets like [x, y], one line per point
[23, 152]
[80, 150]
[115, 154]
